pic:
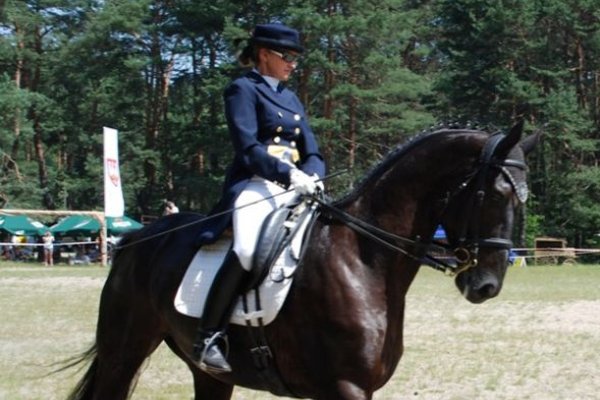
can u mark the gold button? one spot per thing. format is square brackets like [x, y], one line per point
[276, 139]
[297, 131]
[279, 129]
[297, 117]
[292, 144]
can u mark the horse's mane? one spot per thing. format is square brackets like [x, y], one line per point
[397, 153]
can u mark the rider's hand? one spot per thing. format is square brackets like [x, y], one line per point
[302, 183]
[318, 182]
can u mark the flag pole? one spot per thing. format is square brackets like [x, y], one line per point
[114, 203]
[103, 240]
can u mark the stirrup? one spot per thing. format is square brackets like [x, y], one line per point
[207, 344]
[209, 341]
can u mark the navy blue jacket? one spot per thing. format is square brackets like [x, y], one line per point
[258, 116]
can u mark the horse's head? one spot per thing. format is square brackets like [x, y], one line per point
[480, 214]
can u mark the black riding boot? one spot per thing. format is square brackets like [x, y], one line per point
[219, 304]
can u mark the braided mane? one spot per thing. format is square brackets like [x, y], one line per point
[396, 154]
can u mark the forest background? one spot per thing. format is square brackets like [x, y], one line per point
[374, 74]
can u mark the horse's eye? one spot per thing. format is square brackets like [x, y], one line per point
[497, 197]
[502, 191]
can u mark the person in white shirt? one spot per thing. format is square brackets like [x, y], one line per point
[48, 241]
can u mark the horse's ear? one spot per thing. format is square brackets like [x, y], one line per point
[529, 143]
[509, 141]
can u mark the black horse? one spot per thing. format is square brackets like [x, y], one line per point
[339, 335]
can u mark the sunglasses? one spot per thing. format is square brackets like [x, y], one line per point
[287, 57]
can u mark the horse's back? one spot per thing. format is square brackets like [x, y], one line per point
[153, 260]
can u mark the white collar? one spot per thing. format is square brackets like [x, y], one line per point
[273, 82]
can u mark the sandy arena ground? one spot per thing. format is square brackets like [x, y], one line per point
[508, 348]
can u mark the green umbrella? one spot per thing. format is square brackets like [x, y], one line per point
[21, 225]
[76, 225]
[119, 225]
[85, 225]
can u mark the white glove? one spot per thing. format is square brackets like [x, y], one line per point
[302, 183]
[318, 182]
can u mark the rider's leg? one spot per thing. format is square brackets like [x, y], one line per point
[222, 297]
[253, 205]
[217, 310]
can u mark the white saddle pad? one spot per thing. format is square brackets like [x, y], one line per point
[194, 287]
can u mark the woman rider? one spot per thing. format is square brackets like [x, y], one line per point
[275, 149]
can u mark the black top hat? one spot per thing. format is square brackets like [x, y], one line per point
[277, 36]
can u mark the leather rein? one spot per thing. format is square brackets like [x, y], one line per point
[469, 241]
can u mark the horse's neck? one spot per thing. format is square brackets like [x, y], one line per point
[403, 200]
[362, 280]
[407, 197]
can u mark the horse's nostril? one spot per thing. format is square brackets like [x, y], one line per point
[488, 290]
[478, 288]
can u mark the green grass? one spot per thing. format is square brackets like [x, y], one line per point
[538, 340]
[553, 283]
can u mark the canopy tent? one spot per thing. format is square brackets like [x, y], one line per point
[119, 225]
[76, 225]
[79, 225]
[21, 225]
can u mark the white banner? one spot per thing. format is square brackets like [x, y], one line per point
[114, 205]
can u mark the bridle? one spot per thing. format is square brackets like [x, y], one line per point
[469, 238]
[469, 241]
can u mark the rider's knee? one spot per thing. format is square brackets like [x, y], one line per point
[245, 256]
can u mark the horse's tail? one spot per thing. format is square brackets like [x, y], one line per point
[84, 388]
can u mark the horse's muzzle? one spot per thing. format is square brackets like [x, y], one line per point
[478, 286]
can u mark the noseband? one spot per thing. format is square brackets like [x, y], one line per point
[469, 242]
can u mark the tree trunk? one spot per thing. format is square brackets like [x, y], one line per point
[580, 72]
[18, 76]
[352, 126]
[38, 143]
[328, 103]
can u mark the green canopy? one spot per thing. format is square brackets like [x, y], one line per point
[76, 225]
[119, 225]
[79, 225]
[21, 225]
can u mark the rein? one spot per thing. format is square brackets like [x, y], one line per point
[385, 238]
[415, 249]
[216, 215]
[469, 240]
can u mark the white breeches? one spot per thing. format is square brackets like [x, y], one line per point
[247, 221]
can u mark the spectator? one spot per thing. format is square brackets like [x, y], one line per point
[48, 240]
[171, 208]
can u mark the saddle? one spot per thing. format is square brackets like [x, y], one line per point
[278, 231]
[278, 252]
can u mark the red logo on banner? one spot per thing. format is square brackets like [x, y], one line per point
[112, 167]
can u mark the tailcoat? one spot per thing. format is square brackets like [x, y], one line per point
[261, 122]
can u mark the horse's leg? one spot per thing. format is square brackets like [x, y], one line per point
[128, 332]
[205, 386]
[350, 391]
